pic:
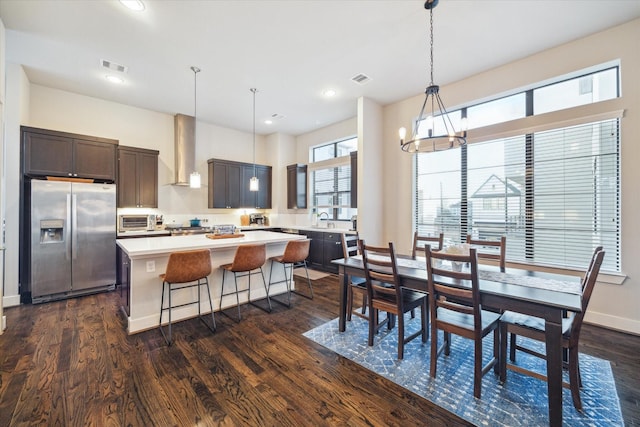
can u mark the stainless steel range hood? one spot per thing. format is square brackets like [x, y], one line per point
[184, 148]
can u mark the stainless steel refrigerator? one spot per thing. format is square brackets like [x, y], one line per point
[73, 239]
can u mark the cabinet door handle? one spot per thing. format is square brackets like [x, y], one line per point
[338, 243]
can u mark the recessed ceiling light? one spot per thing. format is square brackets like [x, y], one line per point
[329, 93]
[268, 122]
[114, 79]
[136, 5]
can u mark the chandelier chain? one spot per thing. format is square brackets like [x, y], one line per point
[431, 44]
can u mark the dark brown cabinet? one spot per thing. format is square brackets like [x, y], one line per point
[137, 177]
[61, 154]
[229, 185]
[297, 186]
[224, 184]
[324, 248]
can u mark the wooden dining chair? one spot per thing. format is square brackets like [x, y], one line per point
[454, 300]
[357, 285]
[420, 241]
[493, 250]
[534, 327]
[384, 293]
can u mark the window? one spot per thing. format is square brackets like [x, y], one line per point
[331, 184]
[555, 194]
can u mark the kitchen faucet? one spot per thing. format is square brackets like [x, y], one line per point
[320, 215]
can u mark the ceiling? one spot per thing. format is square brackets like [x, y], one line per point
[290, 50]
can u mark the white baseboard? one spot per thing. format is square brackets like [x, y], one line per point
[10, 301]
[621, 324]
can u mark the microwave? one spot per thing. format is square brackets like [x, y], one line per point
[136, 222]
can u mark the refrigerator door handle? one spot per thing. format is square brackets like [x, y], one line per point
[67, 233]
[74, 226]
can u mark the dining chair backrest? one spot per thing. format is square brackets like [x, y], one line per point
[381, 270]
[495, 250]
[454, 290]
[419, 243]
[350, 245]
[588, 283]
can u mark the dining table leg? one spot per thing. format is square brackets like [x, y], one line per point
[553, 338]
[343, 279]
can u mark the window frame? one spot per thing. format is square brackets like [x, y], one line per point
[596, 111]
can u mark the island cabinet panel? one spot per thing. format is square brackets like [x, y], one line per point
[137, 177]
[229, 185]
[297, 186]
[62, 154]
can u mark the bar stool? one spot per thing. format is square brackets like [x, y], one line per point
[247, 261]
[186, 269]
[295, 255]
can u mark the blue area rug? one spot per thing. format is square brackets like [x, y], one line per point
[522, 400]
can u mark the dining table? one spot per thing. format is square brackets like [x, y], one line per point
[545, 295]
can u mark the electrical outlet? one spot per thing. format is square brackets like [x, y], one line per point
[151, 266]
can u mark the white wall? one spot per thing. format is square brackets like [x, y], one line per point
[17, 111]
[612, 305]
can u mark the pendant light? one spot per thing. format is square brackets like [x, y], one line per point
[254, 183]
[437, 119]
[194, 178]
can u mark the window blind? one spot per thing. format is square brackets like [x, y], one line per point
[554, 194]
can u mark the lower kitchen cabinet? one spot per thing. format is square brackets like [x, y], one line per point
[324, 248]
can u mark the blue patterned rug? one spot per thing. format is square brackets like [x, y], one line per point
[522, 400]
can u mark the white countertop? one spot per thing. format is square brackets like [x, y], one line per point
[164, 245]
[142, 233]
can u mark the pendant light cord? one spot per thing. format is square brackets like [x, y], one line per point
[254, 90]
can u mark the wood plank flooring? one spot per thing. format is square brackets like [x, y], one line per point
[71, 363]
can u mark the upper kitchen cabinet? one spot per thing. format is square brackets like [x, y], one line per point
[224, 184]
[62, 154]
[260, 199]
[137, 177]
[229, 185]
[297, 186]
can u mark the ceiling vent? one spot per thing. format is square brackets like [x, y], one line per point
[361, 79]
[113, 66]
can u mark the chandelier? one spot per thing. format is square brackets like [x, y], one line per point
[440, 132]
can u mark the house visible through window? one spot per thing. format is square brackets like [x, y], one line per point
[331, 179]
[555, 194]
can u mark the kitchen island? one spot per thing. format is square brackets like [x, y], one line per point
[147, 259]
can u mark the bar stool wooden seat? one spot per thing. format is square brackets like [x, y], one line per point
[295, 255]
[186, 269]
[247, 261]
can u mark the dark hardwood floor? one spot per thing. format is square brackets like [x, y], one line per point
[72, 363]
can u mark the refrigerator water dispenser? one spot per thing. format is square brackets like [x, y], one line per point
[51, 231]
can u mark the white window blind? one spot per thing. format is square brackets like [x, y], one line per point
[554, 194]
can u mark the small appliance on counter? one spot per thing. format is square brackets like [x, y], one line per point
[258, 219]
[137, 222]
